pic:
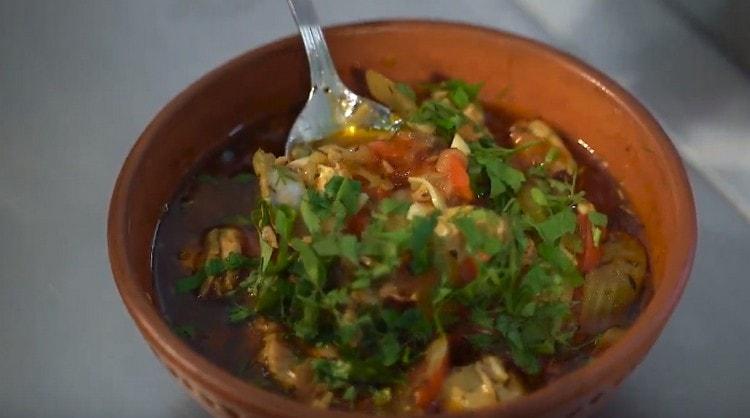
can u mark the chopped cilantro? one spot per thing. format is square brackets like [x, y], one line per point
[557, 225]
[419, 243]
[598, 218]
[406, 90]
[207, 179]
[334, 373]
[214, 267]
[539, 197]
[490, 175]
[239, 313]
[310, 262]
[185, 331]
[349, 394]
[244, 178]
[190, 283]
[446, 119]
[390, 350]
[467, 90]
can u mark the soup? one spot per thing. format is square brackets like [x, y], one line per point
[457, 261]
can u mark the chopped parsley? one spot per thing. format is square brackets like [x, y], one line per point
[214, 267]
[185, 331]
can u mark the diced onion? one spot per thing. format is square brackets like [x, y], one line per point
[459, 144]
[418, 209]
[437, 199]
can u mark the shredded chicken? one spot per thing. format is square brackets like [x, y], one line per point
[543, 143]
[479, 385]
[288, 370]
[278, 183]
[218, 245]
[279, 360]
[423, 191]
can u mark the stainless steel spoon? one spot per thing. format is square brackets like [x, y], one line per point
[331, 107]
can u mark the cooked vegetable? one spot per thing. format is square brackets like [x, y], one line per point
[435, 268]
[459, 144]
[541, 145]
[277, 357]
[453, 164]
[590, 235]
[613, 286]
[398, 97]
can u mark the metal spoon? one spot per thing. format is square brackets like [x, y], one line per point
[331, 107]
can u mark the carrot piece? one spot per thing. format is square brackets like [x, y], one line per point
[453, 164]
[592, 253]
[429, 376]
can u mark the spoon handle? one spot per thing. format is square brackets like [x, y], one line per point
[322, 71]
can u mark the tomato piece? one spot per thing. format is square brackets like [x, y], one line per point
[592, 253]
[454, 165]
[391, 150]
[468, 271]
[358, 222]
[405, 153]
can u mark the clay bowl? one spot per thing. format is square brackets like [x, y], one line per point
[520, 75]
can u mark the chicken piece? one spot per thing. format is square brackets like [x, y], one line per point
[479, 385]
[307, 389]
[279, 360]
[401, 292]
[475, 113]
[218, 245]
[288, 369]
[315, 170]
[278, 183]
[423, 191]
[544, 146]
[330, 160]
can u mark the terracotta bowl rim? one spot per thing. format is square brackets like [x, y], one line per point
[245, 395]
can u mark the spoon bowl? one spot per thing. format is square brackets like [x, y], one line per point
[331, 107]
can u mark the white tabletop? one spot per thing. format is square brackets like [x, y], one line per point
[79, 80]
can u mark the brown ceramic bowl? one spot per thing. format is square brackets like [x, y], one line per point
[519, 74]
